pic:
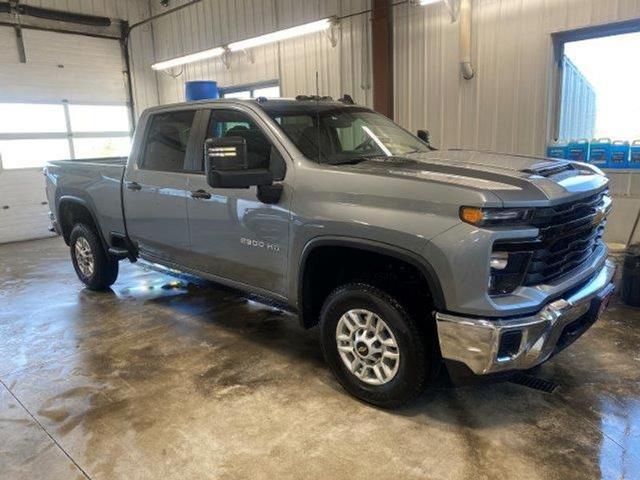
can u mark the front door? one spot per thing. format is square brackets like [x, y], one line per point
[233, 234]
[156, 187]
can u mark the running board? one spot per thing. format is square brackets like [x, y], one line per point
[119, 253]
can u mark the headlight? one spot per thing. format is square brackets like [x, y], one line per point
[507, 271]
[487, 217]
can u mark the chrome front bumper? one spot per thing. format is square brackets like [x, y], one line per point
[491, 345]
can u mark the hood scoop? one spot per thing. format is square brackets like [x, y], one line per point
[549, 169]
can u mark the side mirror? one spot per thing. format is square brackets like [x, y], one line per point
[424, 136]
[227, 164]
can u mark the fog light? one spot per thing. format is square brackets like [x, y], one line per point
[499, 260]
[507, 271]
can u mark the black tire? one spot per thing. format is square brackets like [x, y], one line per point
[105, 267]
[416, 361]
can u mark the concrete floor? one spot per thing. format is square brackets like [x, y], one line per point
[161, 380]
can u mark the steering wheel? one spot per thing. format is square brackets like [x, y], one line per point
[366, 146]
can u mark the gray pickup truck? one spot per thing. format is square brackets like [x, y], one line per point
[408, 258]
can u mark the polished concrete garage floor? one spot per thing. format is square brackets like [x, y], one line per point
[163, 380]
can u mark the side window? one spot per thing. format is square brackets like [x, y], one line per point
[167, 140]
[261, 153]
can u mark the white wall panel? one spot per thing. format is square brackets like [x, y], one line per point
[294, 62]
[9, 50]
[63, 66]
[505, 107]
[23, 205]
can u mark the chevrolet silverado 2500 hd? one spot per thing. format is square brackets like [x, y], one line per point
[407, 258]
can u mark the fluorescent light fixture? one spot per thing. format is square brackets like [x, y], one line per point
[285, 34]
[192, 57]
[428, 2]
[280, 35]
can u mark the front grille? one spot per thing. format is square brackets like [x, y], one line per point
[569, 234]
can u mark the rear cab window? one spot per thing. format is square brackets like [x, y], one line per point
[167, 141]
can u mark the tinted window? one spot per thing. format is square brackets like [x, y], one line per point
[343, 134]
[230, 123]
[167, 141]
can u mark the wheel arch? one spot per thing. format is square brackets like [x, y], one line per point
[72, 208]
[306, 314]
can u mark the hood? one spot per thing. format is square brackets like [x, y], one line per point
[515, 179]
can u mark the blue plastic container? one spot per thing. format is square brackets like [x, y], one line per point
[578, 150]
[619, 154]
[634, 154]
[600, 152]
[557, 150]
[201, 90]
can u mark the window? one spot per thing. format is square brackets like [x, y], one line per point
[102, 147]
[599, 93]
[167, 140]
[32, 118]
[240, 94]
[260, 152]
[268, 92]
[344, 134]
[32, 153]
[32, 134]
[254, 91]
[99, 118]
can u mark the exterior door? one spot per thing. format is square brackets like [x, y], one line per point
[233, 234]
[155, 189]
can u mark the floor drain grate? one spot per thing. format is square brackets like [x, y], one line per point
[534, 382]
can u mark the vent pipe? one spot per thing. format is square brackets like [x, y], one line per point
[465, 39]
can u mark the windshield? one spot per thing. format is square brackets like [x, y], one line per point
[345, 135]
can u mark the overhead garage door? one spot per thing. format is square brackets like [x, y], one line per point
[68, 100]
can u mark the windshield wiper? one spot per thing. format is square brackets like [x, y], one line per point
[356, 160]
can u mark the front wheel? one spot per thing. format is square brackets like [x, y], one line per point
[93, 265]
[372, 345]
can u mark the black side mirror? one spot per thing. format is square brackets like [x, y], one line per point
[424, 136]
[227, 164]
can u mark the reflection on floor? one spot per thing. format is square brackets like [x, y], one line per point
[161, 379]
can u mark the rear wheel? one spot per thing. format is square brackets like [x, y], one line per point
[372, 345]
[93, 265]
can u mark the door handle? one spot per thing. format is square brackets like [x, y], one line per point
[201, 194]
[133, 186]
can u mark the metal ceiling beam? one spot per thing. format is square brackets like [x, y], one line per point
[24, 16]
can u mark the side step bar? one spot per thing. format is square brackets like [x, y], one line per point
[122, 247]
[119, 253]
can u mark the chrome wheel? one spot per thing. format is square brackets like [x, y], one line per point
[367, 346]
[84, 257]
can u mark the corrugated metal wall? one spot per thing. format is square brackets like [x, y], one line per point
[505, 107]
[294, 62]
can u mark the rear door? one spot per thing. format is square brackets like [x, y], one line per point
[233, 234]
[155, 187]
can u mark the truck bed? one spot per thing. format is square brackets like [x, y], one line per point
[94, 182]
